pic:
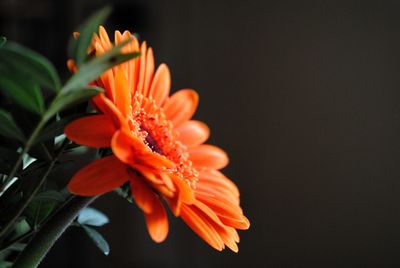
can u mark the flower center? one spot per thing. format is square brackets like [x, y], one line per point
[148, 121]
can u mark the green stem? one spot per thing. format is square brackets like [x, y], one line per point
[29, 198]
[35, 133]
[27, 147]
[40, 245]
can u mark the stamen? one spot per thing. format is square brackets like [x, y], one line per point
[148, 121]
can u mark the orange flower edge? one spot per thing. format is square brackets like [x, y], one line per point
[157, 149]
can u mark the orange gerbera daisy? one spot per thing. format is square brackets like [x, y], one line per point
[156, 148]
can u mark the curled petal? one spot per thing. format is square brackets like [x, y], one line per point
[185, 195]
[104, 105]
[208, 156]
[101, 176]
[93, 131]
[131, 150]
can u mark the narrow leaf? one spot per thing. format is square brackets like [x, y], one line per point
[38, 211]
[49, 195]
[91, 216]
[18, 246]
[31, 64]
[78, 48]
[95, 67]
[23, 92]
[66, 99]
[98, 239]
[8, 128]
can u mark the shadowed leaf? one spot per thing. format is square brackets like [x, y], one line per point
[77, 48]
[98, 239]
[69, 98]
[91, 216]
[95, 67]
[22, 91]
[49, 195]
[30, 64]
[8, 128]
[3, 40]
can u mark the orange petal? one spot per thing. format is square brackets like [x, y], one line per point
[185, 195]
[122, 145]
[93, 131]
[161, 85]
[213, 190]
[215, 177]
[197, 221]
[126, 67]
[101, 176]
[107, 78]
[185, 192]
[149, 71]
[131, 150]
[230, 214]
[72, 66]
[122, 94]
[193, 133]
[157, 222]
[104, 105]
[181, 106]
[105, 40]
[208, 156]
[227, 234]
[142, 68]
[142, 193]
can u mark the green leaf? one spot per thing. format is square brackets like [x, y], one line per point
[91, 216]
[38, 211]
[17, 246]
[98, 239]
[52, 195]
[68, 98]
[22, 91]
[31, 64]
[8, 128]
[3, 40]
[95, 67]
[56, 128]
[5, 264]
[78, 48]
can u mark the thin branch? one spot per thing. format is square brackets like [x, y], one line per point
[19, 211]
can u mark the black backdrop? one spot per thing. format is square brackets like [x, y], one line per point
[303, 95]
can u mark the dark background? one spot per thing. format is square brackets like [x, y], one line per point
[303, 95]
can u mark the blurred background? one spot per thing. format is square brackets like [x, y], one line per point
[304, 96]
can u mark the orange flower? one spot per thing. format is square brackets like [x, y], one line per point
[157, 149]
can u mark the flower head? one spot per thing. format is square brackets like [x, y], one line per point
[156, 149]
